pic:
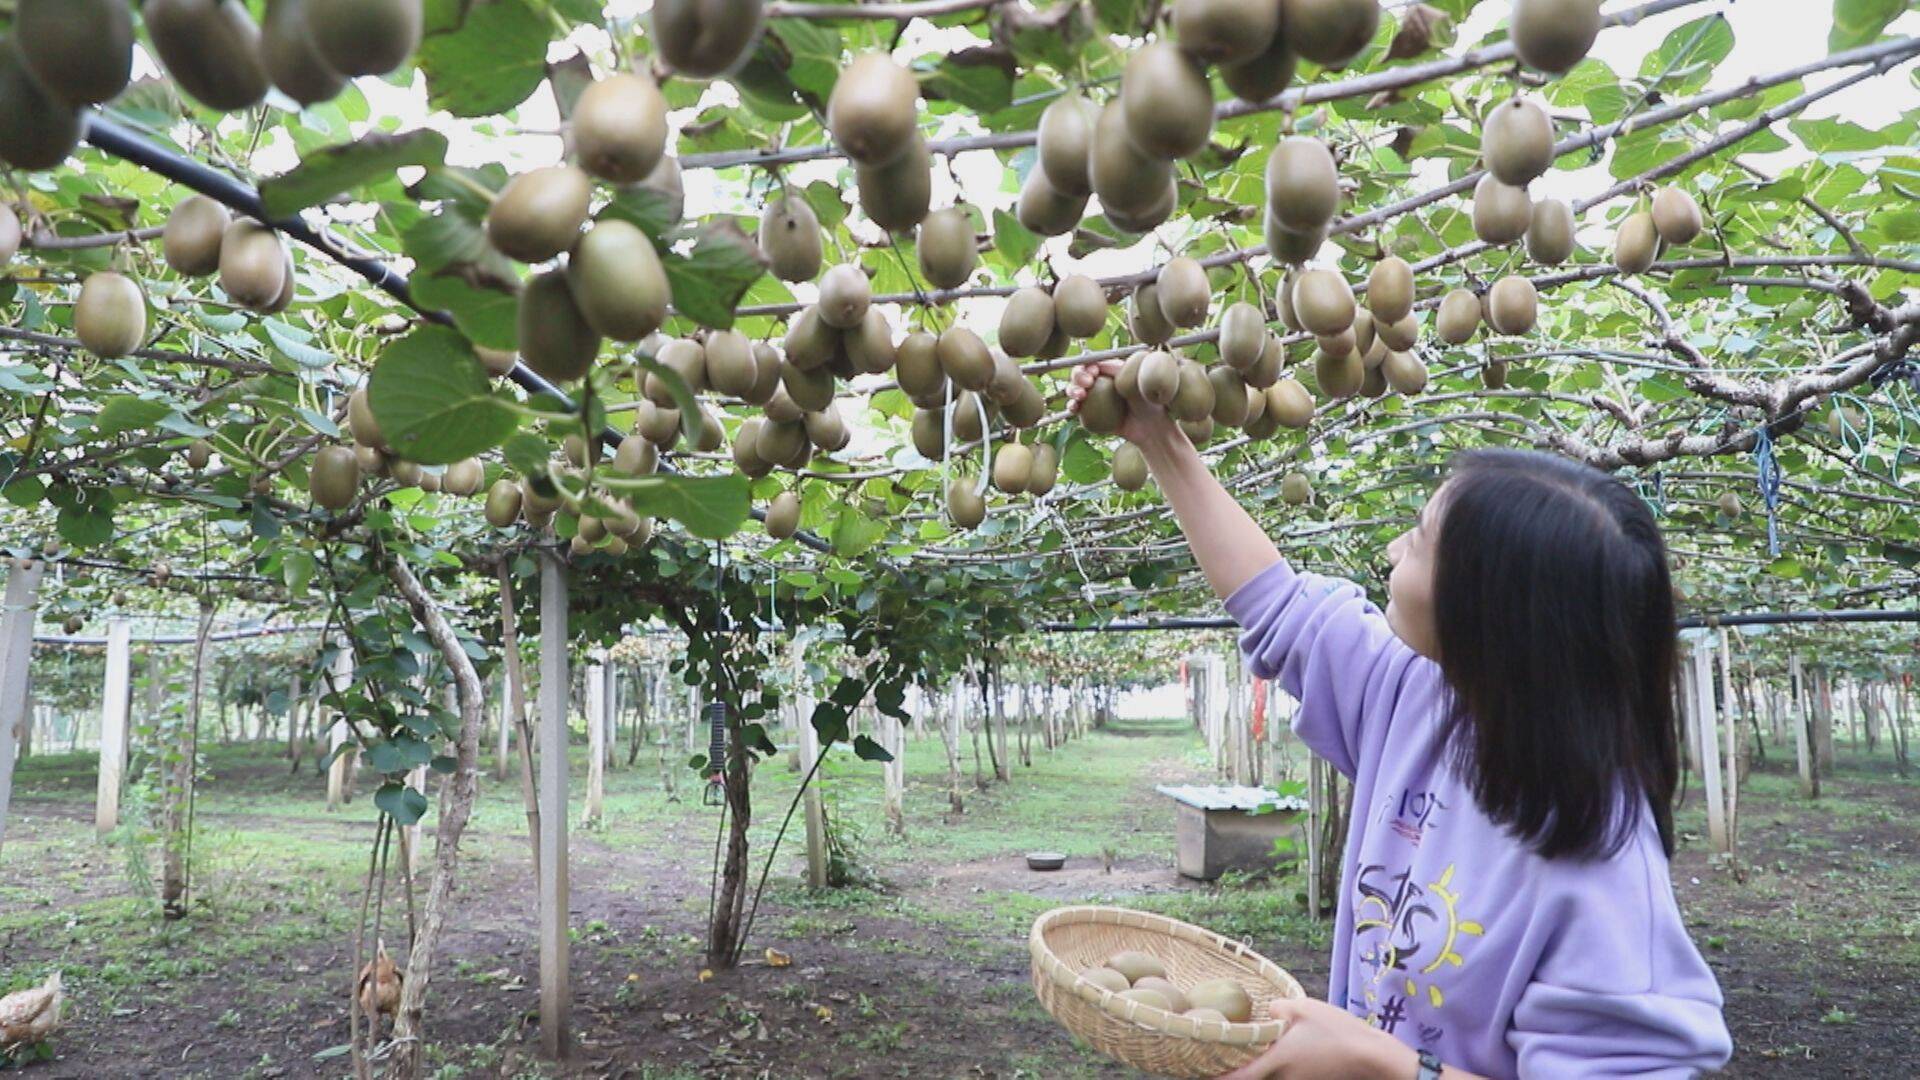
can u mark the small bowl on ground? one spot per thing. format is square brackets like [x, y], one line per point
[1066, 941]
[1045, 860]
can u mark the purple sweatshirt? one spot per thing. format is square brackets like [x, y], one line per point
[1451, 934]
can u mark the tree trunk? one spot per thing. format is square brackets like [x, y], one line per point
[456, 806]
[179, 793]
[723, 934]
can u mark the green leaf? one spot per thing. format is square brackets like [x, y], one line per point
[405, 805]
[123, 414]
[491, 62]
[868, 750]
[1857, 22]
[650, 210]
[337, 169]
[854, 533]
[485, 308]
[976, 79]
[707, 285]
[1012, 240]
[434, 401]
[86, 520]
[711, 507]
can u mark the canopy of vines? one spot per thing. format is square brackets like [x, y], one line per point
[836, 262]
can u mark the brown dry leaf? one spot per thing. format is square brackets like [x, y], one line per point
[1421, 28]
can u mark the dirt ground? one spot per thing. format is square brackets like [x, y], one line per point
[1813, 933]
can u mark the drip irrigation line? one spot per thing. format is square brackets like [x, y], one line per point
[1689, 622]
[112, 138]
[180, 639]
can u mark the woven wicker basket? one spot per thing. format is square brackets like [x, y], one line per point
[1066, 941]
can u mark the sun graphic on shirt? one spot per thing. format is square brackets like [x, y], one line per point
[1415, 923]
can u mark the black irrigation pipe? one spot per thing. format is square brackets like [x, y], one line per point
[1690, 622]
[110, 137]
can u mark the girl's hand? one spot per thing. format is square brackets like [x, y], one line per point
[1325, 1042]
[1145, 423]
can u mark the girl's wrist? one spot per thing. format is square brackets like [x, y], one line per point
[1387, 1058]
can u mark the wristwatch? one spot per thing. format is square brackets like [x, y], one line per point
[1430, 1066]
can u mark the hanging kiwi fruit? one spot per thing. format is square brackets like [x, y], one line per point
[1637, 244]
[211, 48]
[253, 264]
[1303, 185]
[555, 339]
[783, 516]
[1166, 101]
[897, 193]
[1513, 305]
[1184, 292]
[966, 507]
[539, 213]
[1676, 217]
[790, 238]
[502, 507]
[619, 128]
[1126, 179]
[365, 37]
[1501, 212]
[79, 51]
[1458, 318]
[1329, 32]
[1553, 35]
[1517, 141]
[946, 247]
[1045, 211]
[1550, 237]
[292, 59]
[618, 282]
[110, 317]
[1265, 75]
[1225, 31]
[1026, 322]
[874, 110]
[845, 294]
[1064, 143]
[1079, 306]
[36, 131]
[334, 477]
[706, 38]
[1129, 468]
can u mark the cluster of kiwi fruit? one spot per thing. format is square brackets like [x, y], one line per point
[335, 473]
[1123, 151]
[1672, 218]
[65, 55]
[611, 284]
[1142, 977]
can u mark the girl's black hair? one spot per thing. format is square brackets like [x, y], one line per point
[1555, 618]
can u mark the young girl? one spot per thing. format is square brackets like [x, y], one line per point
[1507, 723]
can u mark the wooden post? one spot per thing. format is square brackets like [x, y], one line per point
[115, 698]
[16, 651]
[894, 735]
[1823, 719]
[1800, 706]
[556, 992]
[596, 742]
[339, 775]
[1733, 740]
[811, 806]
[1709, 747]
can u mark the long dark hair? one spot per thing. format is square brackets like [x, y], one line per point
[1554, 613]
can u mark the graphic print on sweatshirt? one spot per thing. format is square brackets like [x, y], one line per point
[1408, 933]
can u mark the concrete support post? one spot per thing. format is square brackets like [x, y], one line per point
[556, 991]
[115, 698]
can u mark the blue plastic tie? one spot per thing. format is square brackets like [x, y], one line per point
[1769, 476]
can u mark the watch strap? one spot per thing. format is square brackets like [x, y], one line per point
[1430, 1066]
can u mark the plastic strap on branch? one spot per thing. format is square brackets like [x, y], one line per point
[1769, 476]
